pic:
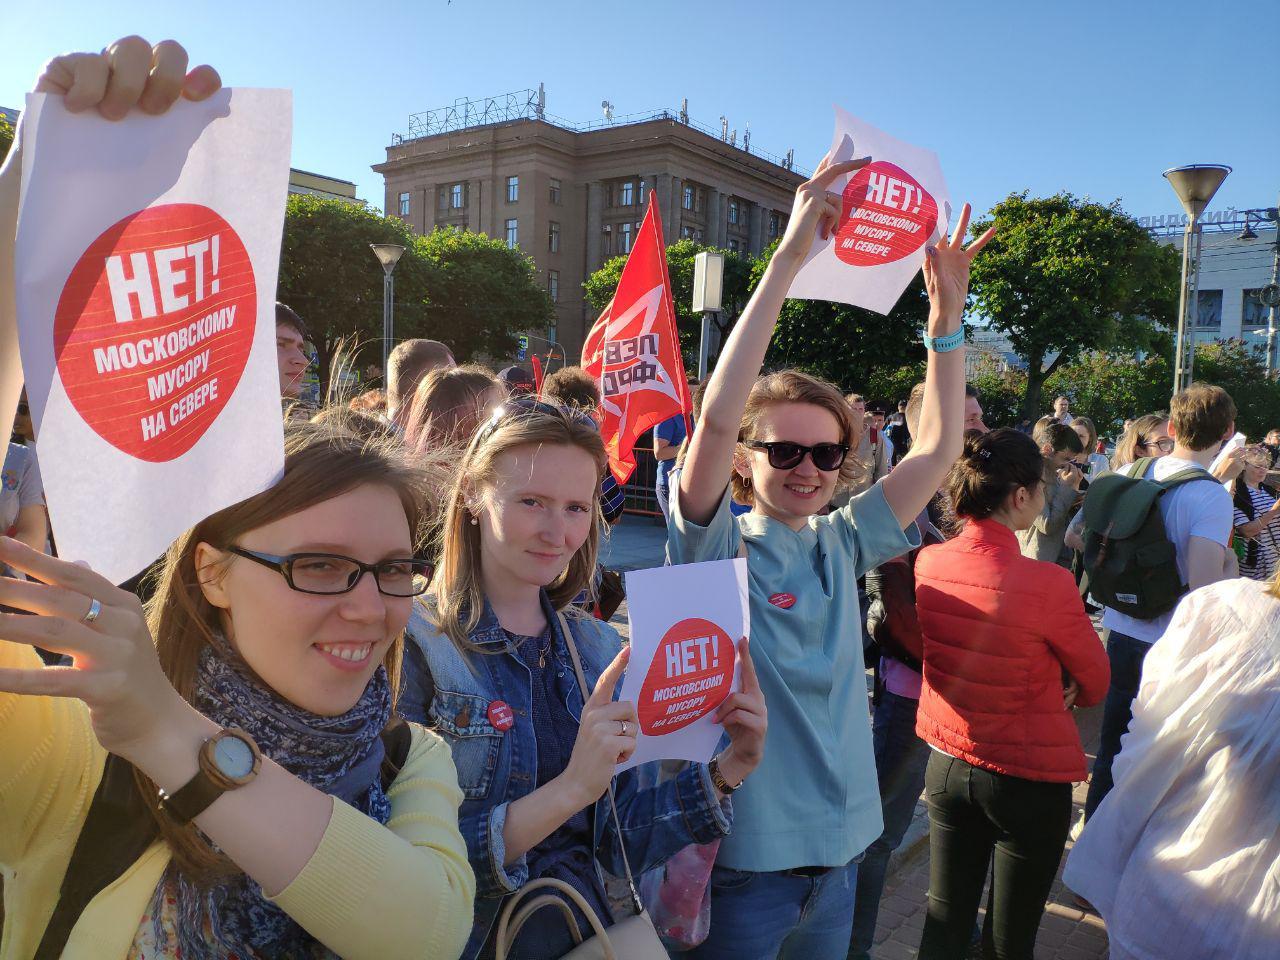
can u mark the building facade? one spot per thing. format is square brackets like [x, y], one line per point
[571, 198]
[302, 181]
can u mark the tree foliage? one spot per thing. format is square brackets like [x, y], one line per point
[1065, 275]
[462, 288]
[6, 137]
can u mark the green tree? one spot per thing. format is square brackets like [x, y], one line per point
[1000, 392]
[738, 284]
[1240, 370]
[6, 137]
[1065, 275]
[481, 294]
[1110, 388]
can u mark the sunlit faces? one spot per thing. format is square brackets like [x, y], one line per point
[973, 415]
[317, 652]
[291, 359]
[537, 515]
[791, 496]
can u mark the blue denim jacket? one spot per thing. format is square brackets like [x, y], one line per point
[496, 768]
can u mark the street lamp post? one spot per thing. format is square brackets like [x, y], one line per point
[708, 283]
[388, 255]
[1195, 186]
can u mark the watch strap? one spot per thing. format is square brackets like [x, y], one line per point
[945, 344]
[193, 799]
[717, 778]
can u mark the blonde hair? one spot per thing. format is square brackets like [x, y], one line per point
[322, 461]
[1129, 447]
[792, 386]
[458, 593]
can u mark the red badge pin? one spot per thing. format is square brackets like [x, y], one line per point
[500, 715]
[784, 600]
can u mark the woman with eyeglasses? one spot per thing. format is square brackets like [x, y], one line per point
[217, 777]
[783, 883]
[1256, 516]
[491, 669]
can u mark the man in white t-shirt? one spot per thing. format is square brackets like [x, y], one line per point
[1062, 411]
[1197, 520]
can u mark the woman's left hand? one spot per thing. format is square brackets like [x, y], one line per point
[116, 670]
[946, 275]
[746, 720]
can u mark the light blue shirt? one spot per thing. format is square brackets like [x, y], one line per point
[814, 800]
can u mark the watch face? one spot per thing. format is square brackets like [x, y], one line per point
[234, 757]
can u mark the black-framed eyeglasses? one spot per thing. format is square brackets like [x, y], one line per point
[1164, 444]
[332, 573]
[783, 454]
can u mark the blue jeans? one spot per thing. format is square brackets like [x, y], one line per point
[901, 758]
[779, 915]
[1126, 655]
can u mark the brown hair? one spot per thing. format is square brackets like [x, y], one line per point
[572, 387]
[321, 462]
[448, 406]
[1201, 415]
[371, 401]
[915, 403]
[1129, 447]
[792, 386]
[1090, 429]
[457, 591]
[408, 363]
[992, 467]
[1057, 436]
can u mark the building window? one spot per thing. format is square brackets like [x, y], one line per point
[775, 224]
[553, 285]
[686, 231]
[555, 190]
[404, 204]
[626, 194]
[551, 334]
[687, 202]
[512, 234]
[700, 202]
[624, 238]
[733, 211]
[1209, 310]
[553, 237]
[1252, 312]
[733, 244]
[456, 197]
[513, 189]
[442, 198]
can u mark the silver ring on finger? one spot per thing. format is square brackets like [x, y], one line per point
[95, 611]
[624, 727]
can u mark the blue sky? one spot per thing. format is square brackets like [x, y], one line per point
[1092, 97]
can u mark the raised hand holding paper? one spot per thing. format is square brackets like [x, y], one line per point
[686, 622]
[147, 253]
[891, 209]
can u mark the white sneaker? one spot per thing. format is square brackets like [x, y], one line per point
[1077, 828]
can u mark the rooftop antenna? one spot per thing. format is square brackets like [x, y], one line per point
[684, 110]
[608, 109]
[724, 127]
[746, 137]
[733, 138]
[791, 159]
[542, 101]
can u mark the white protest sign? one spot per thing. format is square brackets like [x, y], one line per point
[147, 253]
[686, 622]
[1236, 442]
[892, 208]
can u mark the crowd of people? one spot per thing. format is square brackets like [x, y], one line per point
[365, 711]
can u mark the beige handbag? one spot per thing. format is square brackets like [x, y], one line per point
[633, 938]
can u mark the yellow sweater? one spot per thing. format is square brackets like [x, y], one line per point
[400, 891]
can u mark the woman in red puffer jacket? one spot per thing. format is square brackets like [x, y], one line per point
[1008, 651]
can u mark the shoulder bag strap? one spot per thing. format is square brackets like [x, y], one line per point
[613, 806]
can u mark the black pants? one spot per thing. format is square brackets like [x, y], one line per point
[977, 818]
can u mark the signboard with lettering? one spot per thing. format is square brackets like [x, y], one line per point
[147, 253]
[685, 623]
[892, 207]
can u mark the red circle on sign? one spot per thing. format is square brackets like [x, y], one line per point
[784, 600]
[690, 676]
[154, 328]
[887, 216]
[500, 715]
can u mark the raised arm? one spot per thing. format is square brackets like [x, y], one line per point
[940, 438]
[710, 457]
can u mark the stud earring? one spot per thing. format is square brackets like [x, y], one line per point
[475, 522]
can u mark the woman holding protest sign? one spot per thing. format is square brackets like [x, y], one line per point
[784, 881]
[522, 686]
[225, 776]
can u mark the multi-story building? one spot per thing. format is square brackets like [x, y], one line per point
[302, 181]
[573, 196]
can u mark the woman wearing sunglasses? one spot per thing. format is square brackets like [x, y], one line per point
[491, 668]
[783, 884]
[205, 780]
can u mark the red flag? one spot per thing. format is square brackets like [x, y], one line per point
[634, 350]
[537, 375]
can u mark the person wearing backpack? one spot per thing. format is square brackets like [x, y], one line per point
[1188, 519]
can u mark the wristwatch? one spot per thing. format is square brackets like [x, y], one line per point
[945, 344]
[228, 760]
[717, 778]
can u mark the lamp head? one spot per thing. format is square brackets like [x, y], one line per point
[1195, 184]
[388, 255]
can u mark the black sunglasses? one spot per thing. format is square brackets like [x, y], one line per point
[332, 573]
[783, 454]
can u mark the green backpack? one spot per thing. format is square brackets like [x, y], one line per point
[1132, 565]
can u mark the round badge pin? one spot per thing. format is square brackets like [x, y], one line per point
[500, 716]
